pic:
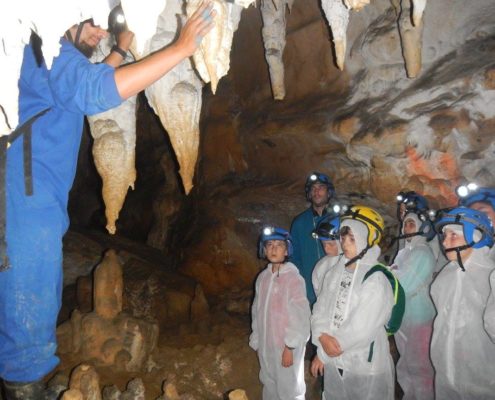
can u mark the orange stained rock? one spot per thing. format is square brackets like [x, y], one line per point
[442, 169]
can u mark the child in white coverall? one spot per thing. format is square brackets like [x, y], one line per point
[349, 316]
[461, 350]
[414, 266]
[327, 232]
[280, 320]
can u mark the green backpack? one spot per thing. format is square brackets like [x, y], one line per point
[399, 307]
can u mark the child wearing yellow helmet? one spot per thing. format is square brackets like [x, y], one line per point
[350, 314]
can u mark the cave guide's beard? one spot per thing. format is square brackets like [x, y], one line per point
[85, 48]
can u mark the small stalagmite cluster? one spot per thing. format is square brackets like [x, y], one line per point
[107, 336]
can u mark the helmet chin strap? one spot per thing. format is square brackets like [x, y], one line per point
[358, 257]
[409, 235]
[458, 253]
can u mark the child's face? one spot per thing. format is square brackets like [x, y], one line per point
[348, 243]
[409, 227]
[276, 250]
[455, 239]
[330, 247]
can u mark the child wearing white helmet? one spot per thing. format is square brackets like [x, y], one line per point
[280, 319]
[461, 350]
[414, 266]
[350, 314]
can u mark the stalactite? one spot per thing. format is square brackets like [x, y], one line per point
[114, 132]
[411, 40]
[356, 4]
[212, 59]
[274, 24]
[418, 9]
[338, 18]
[177, 98]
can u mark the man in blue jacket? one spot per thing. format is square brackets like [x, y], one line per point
[31, 282]
[307, 249]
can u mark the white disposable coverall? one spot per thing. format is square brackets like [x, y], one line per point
[368, 309]
[320, 269]
[415, 264]
[280, 317]
[461, 351]
[489, 317]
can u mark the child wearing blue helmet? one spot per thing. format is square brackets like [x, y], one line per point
[414, 266]
[461, 350]
[478, 198]
[327, 232]
[280, 319]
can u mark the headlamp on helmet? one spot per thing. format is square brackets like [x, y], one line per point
[472, 193]
[318, 177]
[116, 21]
[339, 209]
[465, 190]
[327, 228]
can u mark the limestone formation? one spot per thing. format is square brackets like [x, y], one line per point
[212, 59]
[85, 380]
[411, 40]
[108, 336]
[114, 132]
[108, 286]
[338, 18]
[176, 98]
[73, 394]
[418, 9]
[356, 4]
[274, 24]
[238, 394]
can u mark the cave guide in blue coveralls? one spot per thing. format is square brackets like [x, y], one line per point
[31, 286]
[307, 248]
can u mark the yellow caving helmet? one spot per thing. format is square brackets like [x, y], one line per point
[368, 216]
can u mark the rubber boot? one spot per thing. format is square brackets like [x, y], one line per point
[24, 390]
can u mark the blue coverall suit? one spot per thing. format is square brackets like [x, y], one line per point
[30, 291]
[307, 249]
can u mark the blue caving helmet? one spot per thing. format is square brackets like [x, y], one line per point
[273, 233]
[416, 203]
[318, 177]
[327, 228]
[470, 220]
[413, 201]
[471, 193]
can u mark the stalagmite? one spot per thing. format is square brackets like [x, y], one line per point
[274, 23]
[411, 40]
[85, 379]
[338, 18]
[418, 9]
[108, 286]
[212, 59]
[114, 132]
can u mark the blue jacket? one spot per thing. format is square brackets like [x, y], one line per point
[307, 249]
[30, 291]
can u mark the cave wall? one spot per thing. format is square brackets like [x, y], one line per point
[370, 127]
